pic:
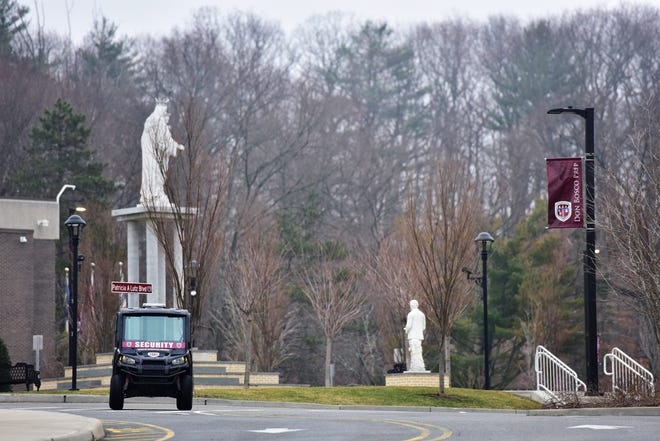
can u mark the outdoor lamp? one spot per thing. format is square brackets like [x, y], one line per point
[75, 225]
[486, 241]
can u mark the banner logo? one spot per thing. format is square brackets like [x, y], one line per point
[563, 210]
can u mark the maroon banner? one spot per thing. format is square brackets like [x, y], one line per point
[565, 193]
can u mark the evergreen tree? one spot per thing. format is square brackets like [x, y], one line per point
[532, 301]
[107, 58]
[59, 155]
[12, 22]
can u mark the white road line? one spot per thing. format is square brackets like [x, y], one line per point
[274, 430]
[599, 427]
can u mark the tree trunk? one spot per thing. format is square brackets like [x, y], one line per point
[448, 359]
[441, 365]
[328, 360]
[248, 354]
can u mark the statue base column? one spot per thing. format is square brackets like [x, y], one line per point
[140, 229]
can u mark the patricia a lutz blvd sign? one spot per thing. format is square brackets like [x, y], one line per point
[131, 288]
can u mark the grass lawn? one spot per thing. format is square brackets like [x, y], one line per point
[375, 396]
[357, 396]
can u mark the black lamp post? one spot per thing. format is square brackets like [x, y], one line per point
[485, 239]
[589, 259]
[194, 265]
[75, 225]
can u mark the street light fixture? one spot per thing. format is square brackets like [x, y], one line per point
[74, 225]
[589, 259]
[485, 239]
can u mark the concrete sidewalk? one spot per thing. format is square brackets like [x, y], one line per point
[36, 425]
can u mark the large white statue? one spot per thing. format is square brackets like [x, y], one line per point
[157, 147]
[415, 326]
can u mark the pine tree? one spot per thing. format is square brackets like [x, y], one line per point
[59, 155]
[532, 300]
[12, 22]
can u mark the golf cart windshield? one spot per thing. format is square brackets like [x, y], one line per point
[154, 332]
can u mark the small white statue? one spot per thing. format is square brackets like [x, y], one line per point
[415, 326]
[157, 147]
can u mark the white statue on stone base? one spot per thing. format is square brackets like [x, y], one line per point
[415, 326]
[157, 147]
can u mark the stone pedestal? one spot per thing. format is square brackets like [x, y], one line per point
[430, 379]
[140, 223]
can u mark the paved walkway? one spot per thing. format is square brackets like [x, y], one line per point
[36, 425]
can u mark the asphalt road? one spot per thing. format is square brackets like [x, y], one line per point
[159, 420]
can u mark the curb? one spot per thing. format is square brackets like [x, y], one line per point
[92, 431]
[579, 411]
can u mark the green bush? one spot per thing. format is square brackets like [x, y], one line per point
[4, 361]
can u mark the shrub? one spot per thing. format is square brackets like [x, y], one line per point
[4, 361]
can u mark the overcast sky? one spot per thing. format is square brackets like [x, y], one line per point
[159, 17]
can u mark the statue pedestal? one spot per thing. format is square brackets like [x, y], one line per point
[408, 378]
[140, 229]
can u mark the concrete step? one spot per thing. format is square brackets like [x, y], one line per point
[104, 358]
[206, 369]
[87, 371]
[203, 381]
[93, 382]
[64, 384]
[207, 372]
[200, 381]
[198, 355]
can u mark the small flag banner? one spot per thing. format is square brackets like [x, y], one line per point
[565, 193]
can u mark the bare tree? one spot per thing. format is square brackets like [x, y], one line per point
[454, 112]
[632, 228]
[394, 287]
[370, 91]
[439, 233]
[335, 301]
[197, 184]
[256, 291]
[23, 96]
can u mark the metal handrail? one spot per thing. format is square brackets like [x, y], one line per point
[627, 374]
[554, 376]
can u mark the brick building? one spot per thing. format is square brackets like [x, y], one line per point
[28, 234]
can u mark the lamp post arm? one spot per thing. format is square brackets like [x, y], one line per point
[62, 190]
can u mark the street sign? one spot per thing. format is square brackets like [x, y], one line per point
[37, 345]
[37, 342]
[131, 288]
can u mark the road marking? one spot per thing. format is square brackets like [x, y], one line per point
[204, 412]
[599, 427]
[424, 432]
[276, 430]
[125, 430]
